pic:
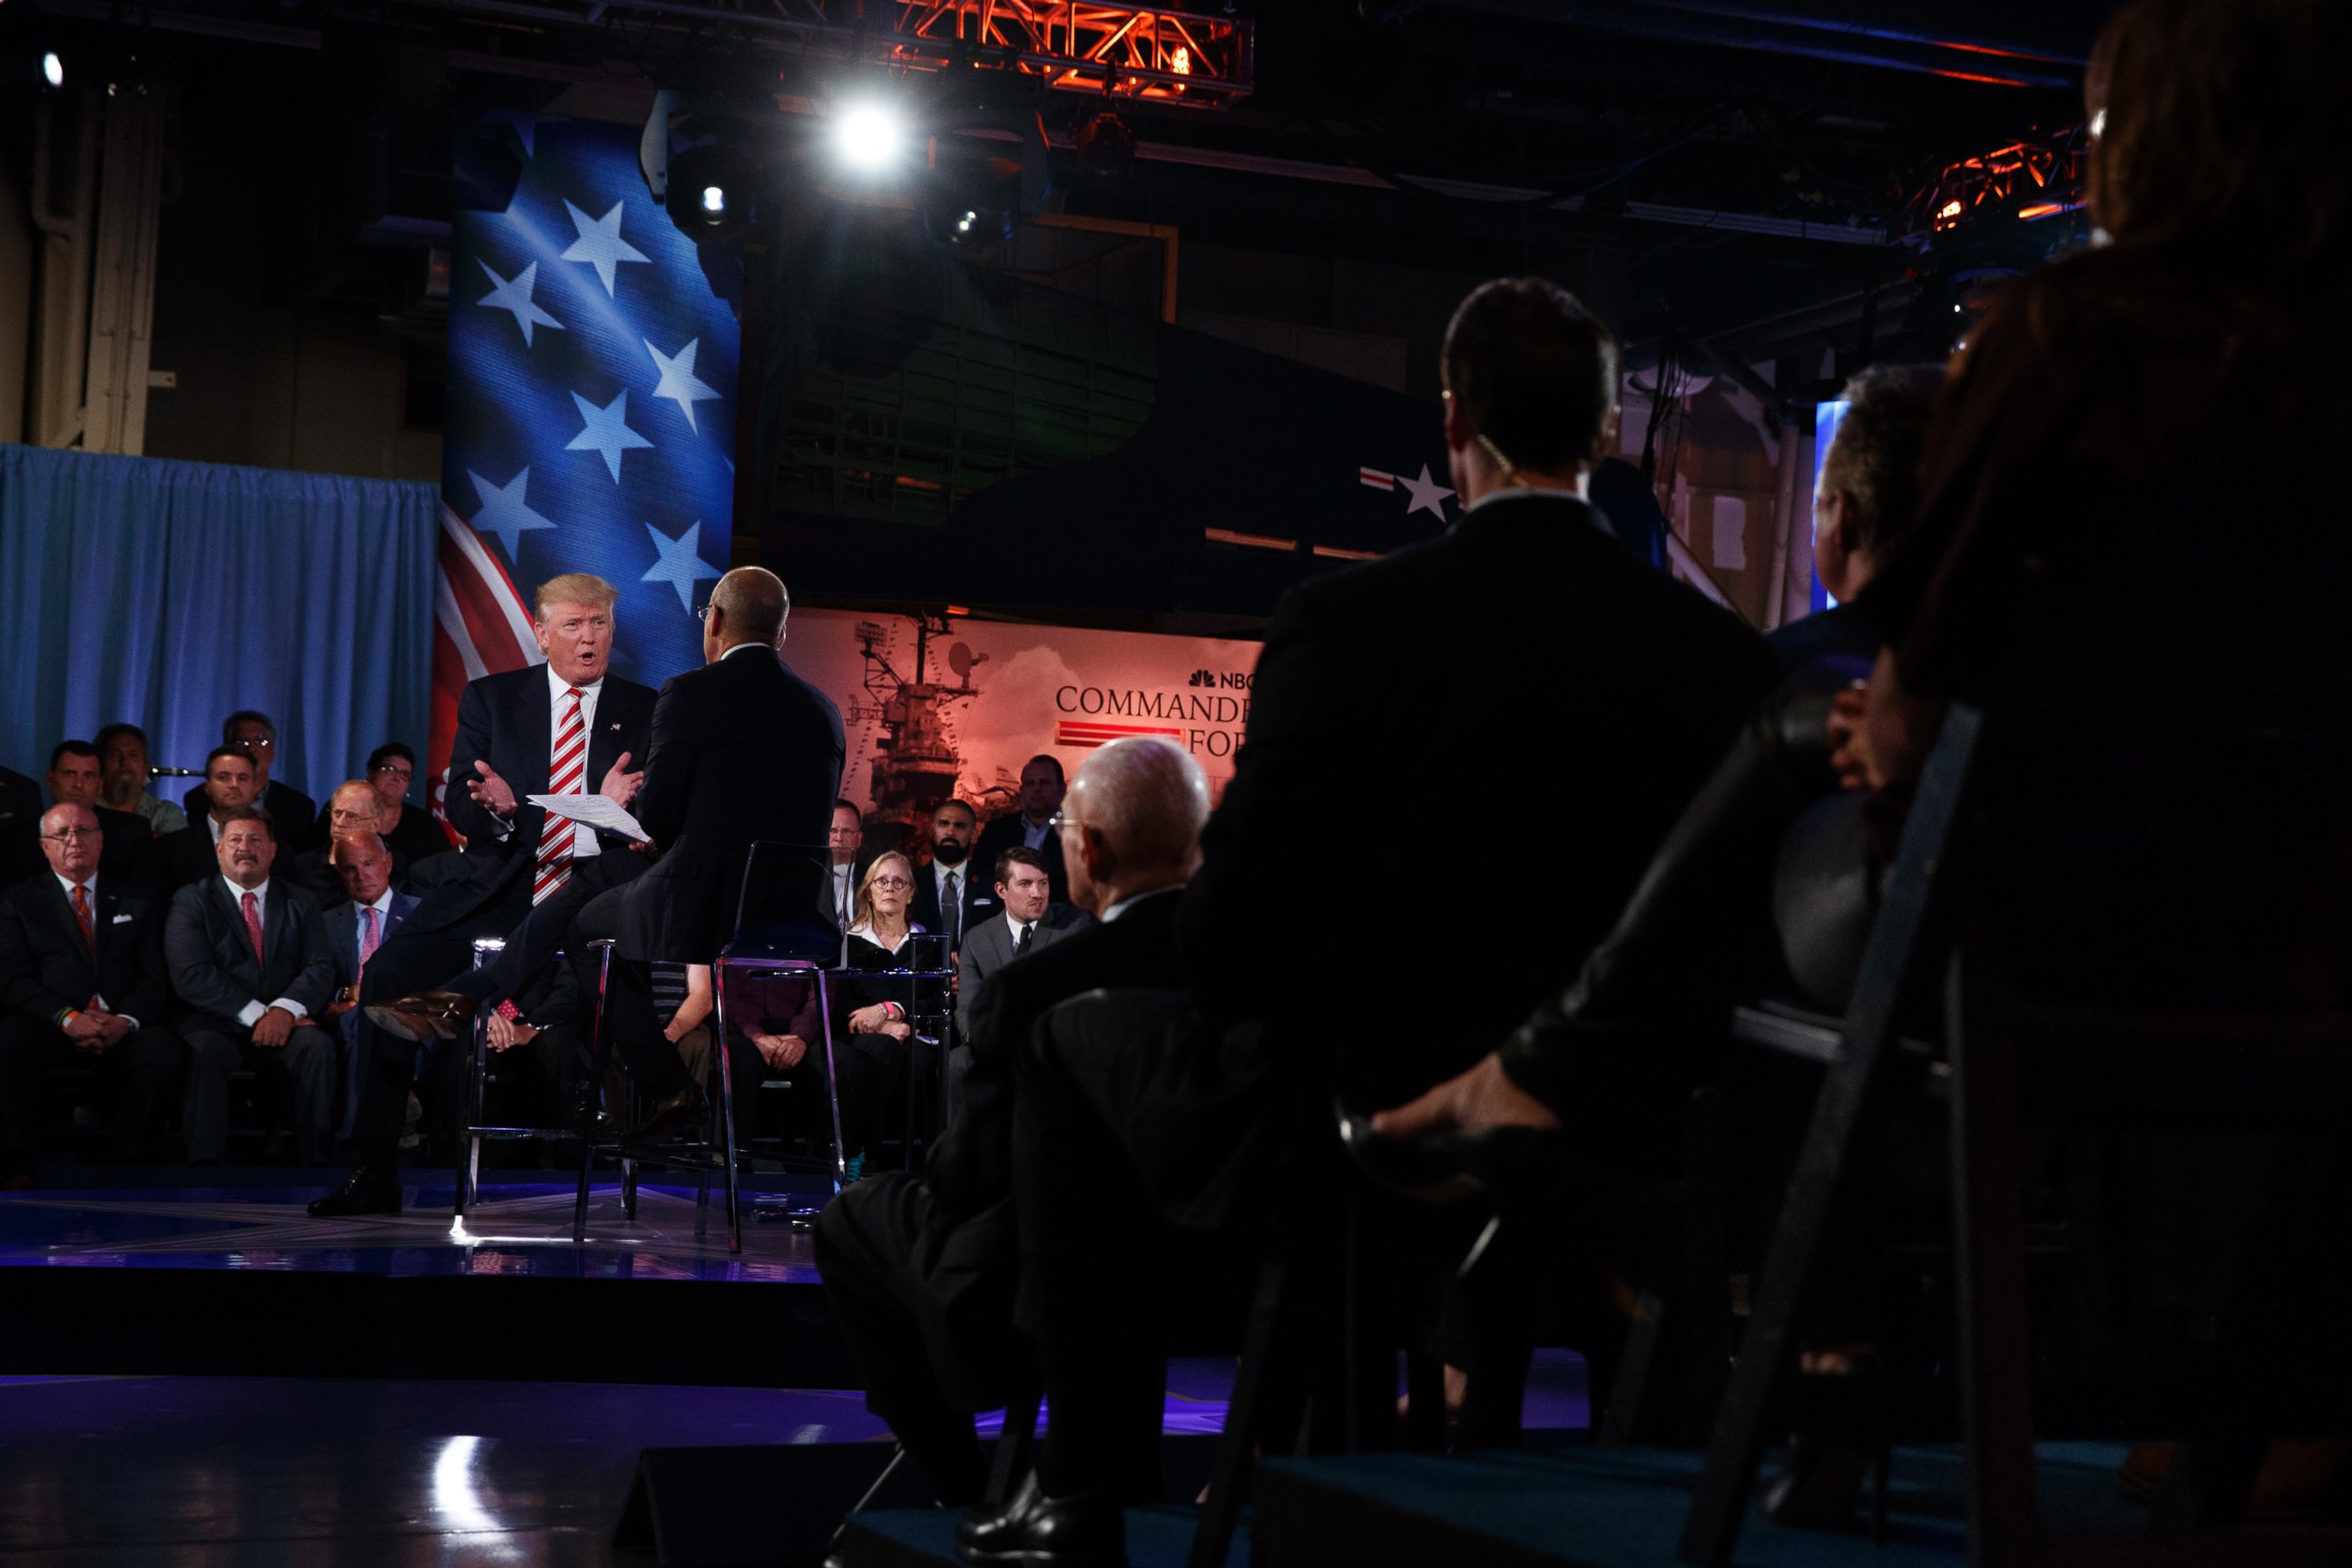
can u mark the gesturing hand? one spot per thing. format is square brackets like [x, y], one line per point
[491, 793]
[620, 785]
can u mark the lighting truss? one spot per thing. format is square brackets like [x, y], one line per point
[2028, 180]
[1178, 57]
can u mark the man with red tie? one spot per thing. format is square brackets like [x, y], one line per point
[81, 978]
[249, 960]
[567, 727]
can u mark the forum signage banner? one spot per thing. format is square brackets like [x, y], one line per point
[591, 409]
[943, 707]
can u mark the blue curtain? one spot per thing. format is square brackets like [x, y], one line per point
[171, 595]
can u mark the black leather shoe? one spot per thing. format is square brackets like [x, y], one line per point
[1039, 1532]
[365, 1190]
[682, 1112]
[586, 1117]
[1447, 1166]
[426, 1015]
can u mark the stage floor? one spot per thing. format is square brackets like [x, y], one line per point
[507, 1294]
[519, 1229]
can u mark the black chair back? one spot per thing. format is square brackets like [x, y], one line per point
[783, 911]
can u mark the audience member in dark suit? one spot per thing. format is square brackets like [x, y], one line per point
[20, 813]
[517, 856]
[1560, 1061]
[249, 962]
[1872, 461]
[409, 832]
[81, 978]
[191, 854]
[952, 867]
[75, 779]
[743, 751]
[370, 911]
[846, 840]
[292, 813]
[920, 1271]
[122, 755]
[1030, 920]
[353, 807]
[1031, 826]
[1175, 1124]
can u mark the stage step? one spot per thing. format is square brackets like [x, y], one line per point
[925, 1538]
[1621, 1507]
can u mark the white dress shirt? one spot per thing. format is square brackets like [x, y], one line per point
[844, 892]
[962, 873]
[89, 893]
[250, 1014]
[583, 842]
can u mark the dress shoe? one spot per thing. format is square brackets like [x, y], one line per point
[682, 1112]
[1041, 1532]
[586, 1117]
[1445, 1167]
[426, 1015]
[365, 1190]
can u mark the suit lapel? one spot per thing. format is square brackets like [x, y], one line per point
[531, 723]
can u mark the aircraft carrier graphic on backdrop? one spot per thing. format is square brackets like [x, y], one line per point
[917, 763]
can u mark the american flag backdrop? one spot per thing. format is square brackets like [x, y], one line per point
[591, 423]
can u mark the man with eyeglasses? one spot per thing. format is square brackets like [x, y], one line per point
[410, 831]
[354, 807]
[292, 813]
[82, 979]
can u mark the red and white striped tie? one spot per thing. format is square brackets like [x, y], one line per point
[567, 765]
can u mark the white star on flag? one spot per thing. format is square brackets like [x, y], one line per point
[514, 294]
[605, 431]
[600, 244]
[681, 564]
[504, 514]
[1427, 494]
[678, 381]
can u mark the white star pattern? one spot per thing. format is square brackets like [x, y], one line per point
[514, 294]
[678, 382]
[605, 431]
[681, 565]
[504, 513]
[600, 244]
[1427, 494]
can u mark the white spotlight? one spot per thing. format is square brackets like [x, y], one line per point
[868, 137]
[53, 69]
[714, 201]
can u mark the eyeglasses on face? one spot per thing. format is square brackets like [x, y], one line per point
[67, 834]
[894, 882]
[397, 770]
[257, 744]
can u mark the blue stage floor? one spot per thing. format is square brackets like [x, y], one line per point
[520, 1229]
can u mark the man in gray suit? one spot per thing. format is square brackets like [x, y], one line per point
[1030, 920]
[249, 960]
